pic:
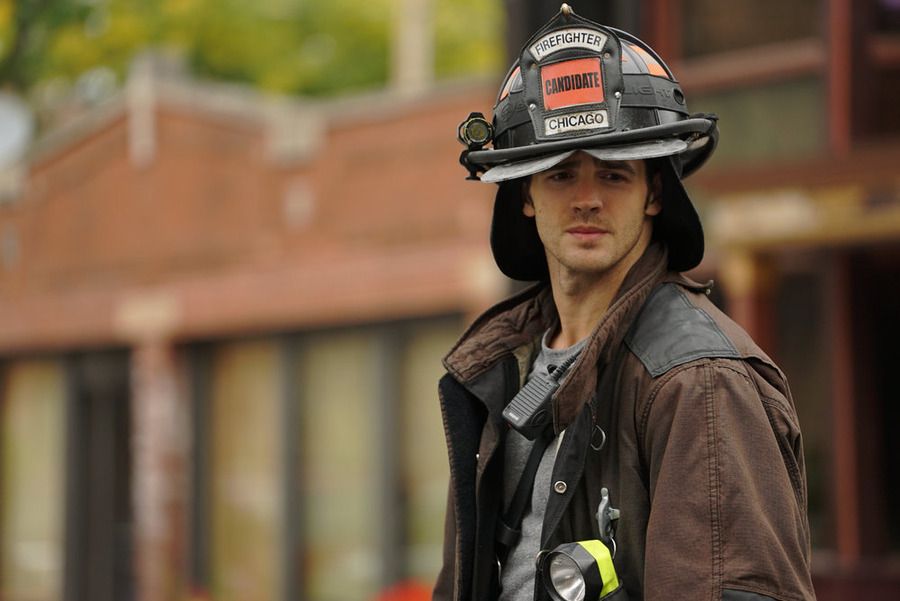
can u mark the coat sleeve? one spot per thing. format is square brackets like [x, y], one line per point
[727, 486]
[443, 588]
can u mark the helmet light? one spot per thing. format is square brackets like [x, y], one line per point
[475, 131]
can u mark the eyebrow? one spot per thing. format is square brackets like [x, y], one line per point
[622, 165]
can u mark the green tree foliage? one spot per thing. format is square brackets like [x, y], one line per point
[25, 28]
[469, 37]
[289, 46]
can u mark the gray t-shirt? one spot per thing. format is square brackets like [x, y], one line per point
[518, 572]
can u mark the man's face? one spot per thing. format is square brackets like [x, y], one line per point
[592, 215]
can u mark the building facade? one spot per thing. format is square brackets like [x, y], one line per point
[222, 314]
[223, 318]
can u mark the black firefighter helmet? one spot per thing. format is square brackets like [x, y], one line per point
[578, 85]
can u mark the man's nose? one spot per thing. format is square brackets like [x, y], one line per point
[588, 197]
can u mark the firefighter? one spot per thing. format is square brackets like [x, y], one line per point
[611, 433]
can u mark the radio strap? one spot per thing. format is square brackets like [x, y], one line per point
[509, 528]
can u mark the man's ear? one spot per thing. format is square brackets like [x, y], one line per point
[527, 203]
[653, 206]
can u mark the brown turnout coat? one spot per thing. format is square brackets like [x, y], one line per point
[702, 450]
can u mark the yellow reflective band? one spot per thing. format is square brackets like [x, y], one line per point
[600, 553]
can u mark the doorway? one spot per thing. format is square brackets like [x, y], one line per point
[98, 508]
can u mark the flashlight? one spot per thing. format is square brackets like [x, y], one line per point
[584, 570]
[581, 571]
[475, 131]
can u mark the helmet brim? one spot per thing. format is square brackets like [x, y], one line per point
[644, 150]
[520, 255]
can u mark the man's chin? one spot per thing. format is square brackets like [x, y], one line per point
[588, 265]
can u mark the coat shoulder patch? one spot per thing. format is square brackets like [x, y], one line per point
[670, 331]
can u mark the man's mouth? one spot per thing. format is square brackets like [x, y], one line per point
[586, 231]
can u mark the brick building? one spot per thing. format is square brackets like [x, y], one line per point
[222, 314]
[222, 317]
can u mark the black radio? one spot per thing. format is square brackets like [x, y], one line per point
[529, 411]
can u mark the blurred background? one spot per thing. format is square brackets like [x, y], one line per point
[235, 243]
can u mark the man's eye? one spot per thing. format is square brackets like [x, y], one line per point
[558, 176]
[613, 176]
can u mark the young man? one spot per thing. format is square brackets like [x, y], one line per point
[611, 402]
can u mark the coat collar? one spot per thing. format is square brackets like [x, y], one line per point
[522, 319]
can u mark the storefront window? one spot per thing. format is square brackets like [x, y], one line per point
[339, 472]
[367, 454]
[781, 120]
[712, 26]
[245, 475]
[426, 468]
[32, 481]
[803, 353]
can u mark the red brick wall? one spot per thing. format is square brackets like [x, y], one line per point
[378, 223]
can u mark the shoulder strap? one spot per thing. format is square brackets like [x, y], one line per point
[509, 528]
